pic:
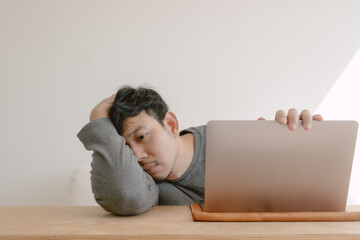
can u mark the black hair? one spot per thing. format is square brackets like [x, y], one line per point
[129, 102]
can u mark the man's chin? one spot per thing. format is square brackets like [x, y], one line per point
[159, 179]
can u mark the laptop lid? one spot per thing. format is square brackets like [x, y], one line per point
[262, 166]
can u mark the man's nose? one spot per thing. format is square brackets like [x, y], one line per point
[140, 153]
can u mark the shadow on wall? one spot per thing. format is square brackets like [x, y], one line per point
[79, 192]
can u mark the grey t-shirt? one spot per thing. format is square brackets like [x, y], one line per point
[121, 186]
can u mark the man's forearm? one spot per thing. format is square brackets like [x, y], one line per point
[118, 182]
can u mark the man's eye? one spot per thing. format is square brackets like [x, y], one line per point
[141, 137]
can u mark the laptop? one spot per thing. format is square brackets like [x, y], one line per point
[262, 166]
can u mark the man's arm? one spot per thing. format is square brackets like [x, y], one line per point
[118, 182]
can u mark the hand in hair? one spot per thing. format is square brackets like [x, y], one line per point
[102, 109]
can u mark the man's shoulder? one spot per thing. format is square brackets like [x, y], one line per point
[195, 130]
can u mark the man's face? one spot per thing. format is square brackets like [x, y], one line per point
[154, 145]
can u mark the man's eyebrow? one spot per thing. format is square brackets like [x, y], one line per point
[136, 129]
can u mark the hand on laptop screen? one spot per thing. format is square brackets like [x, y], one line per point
[292, 118]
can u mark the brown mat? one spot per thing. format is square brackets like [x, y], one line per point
[199, 215]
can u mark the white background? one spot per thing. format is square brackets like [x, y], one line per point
[209, 60]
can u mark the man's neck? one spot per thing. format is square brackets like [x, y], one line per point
[186, 144]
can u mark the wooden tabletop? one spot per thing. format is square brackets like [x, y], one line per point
[163, 222]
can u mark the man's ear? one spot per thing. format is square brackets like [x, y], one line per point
[171, 123]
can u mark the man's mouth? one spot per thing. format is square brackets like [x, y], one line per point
[149, 167]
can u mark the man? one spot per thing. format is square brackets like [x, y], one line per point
[140, 158]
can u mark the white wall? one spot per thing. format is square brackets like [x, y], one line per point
[209, 59]
[341, 102]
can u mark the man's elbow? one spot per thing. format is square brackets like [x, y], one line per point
[126, 203]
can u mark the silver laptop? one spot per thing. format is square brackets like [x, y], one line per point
[262, 166]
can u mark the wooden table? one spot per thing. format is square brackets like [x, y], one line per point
[164, 222]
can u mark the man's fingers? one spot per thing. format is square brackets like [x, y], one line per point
[280, 117]
[112, 97]
[108, 100]
[293, 119]
[102, 109]
[318, 117]
[305, 115]
[261, 119]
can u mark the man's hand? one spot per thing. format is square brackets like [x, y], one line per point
[293, 117]
[102, 109]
